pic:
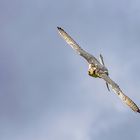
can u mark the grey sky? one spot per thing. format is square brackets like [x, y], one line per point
[45, 92]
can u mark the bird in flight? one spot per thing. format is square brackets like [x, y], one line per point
[98, 69]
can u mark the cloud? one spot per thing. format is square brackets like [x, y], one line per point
[45, 90]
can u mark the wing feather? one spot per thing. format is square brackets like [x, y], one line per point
[76, 47]
[92, 60]
[119, 92]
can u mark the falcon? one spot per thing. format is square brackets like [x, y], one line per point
[97, 69]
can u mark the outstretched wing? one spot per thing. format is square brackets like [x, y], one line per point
[76, 47]
[118, 91]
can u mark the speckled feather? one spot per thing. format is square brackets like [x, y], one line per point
[96, 69]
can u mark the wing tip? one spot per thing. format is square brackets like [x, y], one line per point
[59, 28]
[138, 110]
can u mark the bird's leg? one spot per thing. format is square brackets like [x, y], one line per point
[101, 59]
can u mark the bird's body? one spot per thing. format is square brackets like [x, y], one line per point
[98, 70]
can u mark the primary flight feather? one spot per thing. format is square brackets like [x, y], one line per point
[98, 69]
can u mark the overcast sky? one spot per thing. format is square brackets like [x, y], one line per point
[45, 92]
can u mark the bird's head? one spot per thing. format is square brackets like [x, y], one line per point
[92, 71]
[95, 71]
